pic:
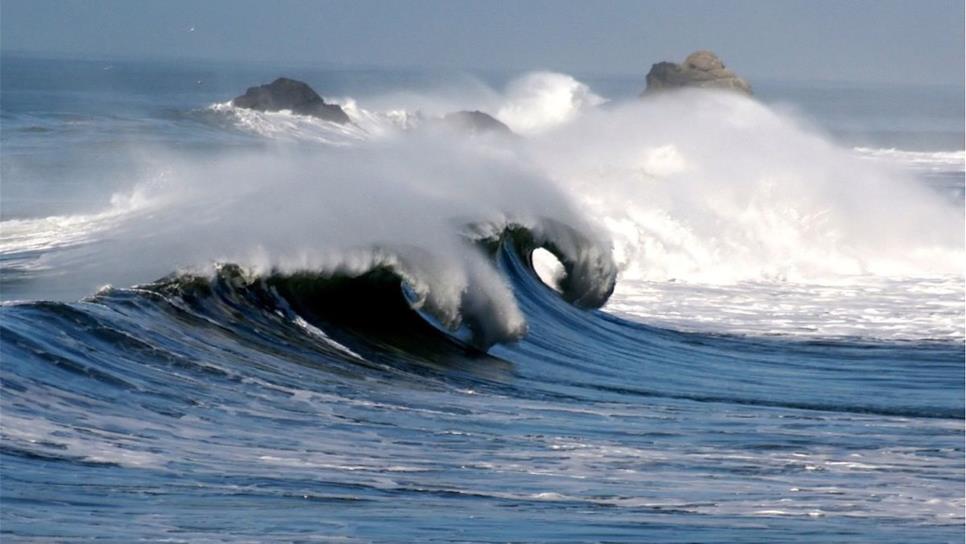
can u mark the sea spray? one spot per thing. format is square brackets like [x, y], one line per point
[404, 202]
[715, 187]
[698, 187]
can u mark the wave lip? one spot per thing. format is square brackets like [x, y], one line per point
[383, 290]
[589, 274]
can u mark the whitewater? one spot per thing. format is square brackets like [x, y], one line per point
[692, 316]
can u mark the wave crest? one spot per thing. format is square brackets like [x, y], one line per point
[377, 287]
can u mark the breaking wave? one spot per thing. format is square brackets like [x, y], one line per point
[697, 187]
[689, 315]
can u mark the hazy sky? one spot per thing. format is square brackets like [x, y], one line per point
[880, 40]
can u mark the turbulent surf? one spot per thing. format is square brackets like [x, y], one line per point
[693, 316]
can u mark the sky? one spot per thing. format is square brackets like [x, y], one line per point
[835, 40]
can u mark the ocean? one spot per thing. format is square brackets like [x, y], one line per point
[689, 317]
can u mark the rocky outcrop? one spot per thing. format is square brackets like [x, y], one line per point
[701, 69]
[476, 122]
[292, 95]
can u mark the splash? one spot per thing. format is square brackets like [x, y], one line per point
[712, 187]
[542, 100]
[696, 187]
[417, 205]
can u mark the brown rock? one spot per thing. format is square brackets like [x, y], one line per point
[702, 69]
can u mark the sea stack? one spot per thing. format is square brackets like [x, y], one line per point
[292, 95]
[702, 69]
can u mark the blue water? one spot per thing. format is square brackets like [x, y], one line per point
[239, 407]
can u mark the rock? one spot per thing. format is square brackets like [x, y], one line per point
[289, 94]
[701, 69]
[476, 122]
[703, 60]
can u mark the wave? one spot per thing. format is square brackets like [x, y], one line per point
[715, 188]
[683, 200]
[529, 105]
[388, 290]
[316, 391]
[392, 300]
[285, 125]
[541, 101]
[458, 289]
[693, 188]
[532, 104]
[625, 299]
[366, 324]
[634, 360]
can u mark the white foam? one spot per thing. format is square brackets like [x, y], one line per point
[540, 101]
[717, 188]
[285, 125]
[935, 161]
[869, 307]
